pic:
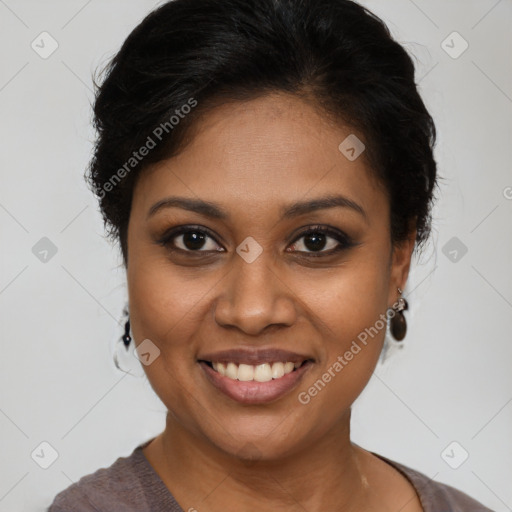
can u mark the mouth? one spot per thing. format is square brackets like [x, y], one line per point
[264, 372]
[255, 377]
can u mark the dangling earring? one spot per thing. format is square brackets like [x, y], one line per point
[398, 325]
[124, 358]
[127, 339]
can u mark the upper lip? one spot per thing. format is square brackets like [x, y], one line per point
[254, 356]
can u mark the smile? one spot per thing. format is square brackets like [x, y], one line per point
[251, 375]
[259, 373]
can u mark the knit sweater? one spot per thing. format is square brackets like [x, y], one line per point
[131, 484]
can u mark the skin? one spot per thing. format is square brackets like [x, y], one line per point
[252, 159]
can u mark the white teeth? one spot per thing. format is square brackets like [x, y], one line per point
[288, 367]
[245, 372]
[260, 373]
[277, 370]
[263, 373]
[231, 371]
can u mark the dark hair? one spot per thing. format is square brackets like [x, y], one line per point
[188, 56]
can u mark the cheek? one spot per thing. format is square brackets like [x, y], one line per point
[164, 308]
[351, 312]
[164, 301]
[350, 300]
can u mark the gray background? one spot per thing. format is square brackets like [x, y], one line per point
[60, 312]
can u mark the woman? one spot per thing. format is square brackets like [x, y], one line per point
[267, 168]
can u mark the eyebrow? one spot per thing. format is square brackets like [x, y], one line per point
[215, 211]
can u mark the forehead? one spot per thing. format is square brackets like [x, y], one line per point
[259, 153]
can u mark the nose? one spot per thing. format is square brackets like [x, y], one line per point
[254, 297]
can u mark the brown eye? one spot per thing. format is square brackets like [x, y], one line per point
[322, 240]
[190, 239]
[315, 242]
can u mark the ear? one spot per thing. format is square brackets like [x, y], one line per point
[400, 263]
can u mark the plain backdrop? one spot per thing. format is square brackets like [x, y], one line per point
[445, 396]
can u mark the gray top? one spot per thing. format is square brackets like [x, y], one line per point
[131, 484]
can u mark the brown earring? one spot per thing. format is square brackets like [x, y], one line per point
[398, 325]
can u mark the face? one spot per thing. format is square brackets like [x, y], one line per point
[262, 280]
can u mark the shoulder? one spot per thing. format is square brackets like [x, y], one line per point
[121, 484]
[436, 496]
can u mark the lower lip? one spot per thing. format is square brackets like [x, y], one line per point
[253, 392]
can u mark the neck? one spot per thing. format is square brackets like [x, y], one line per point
[325, 476]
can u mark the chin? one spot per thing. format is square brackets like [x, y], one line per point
[249, 442]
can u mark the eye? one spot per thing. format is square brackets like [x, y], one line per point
[190, 239]
[316, 240]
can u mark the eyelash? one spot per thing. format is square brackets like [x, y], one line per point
[345, 242]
